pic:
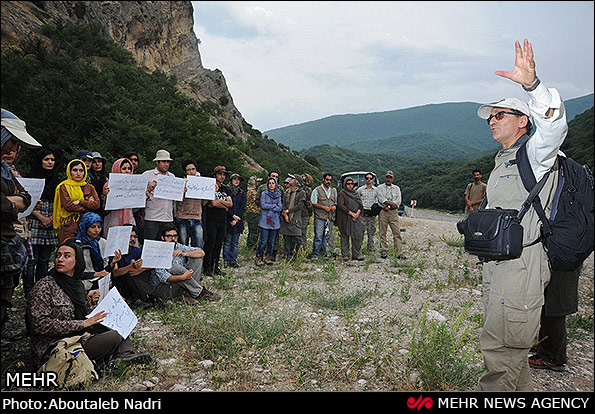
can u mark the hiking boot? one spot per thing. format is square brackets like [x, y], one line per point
[267, 260]
[539, 363]
[132, 358]
[139, 304]
[259, 261]
[360, 258]
[208, 295]
[188, 299]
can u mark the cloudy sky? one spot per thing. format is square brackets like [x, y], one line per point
[291, 62]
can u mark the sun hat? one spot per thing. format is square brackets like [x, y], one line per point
[234, 175]
[17, 128]
[219, 168]
[389, 173]
[162, 155]
[515, 104]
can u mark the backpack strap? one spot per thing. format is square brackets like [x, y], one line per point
[530, 183]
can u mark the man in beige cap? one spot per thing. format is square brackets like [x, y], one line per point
[158, 211]
[513, 290]
[389, 198]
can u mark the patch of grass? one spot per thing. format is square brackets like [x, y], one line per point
[339, 302]
[453, 241]
[579, 326]
[446, 354]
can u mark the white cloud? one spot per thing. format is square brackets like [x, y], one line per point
[291, 62]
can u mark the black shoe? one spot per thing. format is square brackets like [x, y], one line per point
[132, 359]
[139, 304]
[208, 272]
[208, 295]
[219, 272]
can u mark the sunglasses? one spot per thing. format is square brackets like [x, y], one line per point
[500, 115]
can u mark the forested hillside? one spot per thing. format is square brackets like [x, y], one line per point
[83, 91]
[441, 184]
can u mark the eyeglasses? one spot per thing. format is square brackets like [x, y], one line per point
[190, 169]
[369, 178]
[349, 183]
[500, 115]
[170, 236]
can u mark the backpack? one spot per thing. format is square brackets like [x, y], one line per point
[70, 363]
[568, 234]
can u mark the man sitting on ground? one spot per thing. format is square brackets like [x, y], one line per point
[182, 279]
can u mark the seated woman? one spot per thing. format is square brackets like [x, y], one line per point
[57, 307]
[90, 240]
[73, 198]
[132, 280]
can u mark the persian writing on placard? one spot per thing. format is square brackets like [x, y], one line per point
[200, 187]
[157, 254]
[118, 238]
[119, 316]
[34, 187]
[169, 188]
[126, 191]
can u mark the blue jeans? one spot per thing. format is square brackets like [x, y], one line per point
[322, 230]
[267, 238]
[230, 248]
[190, 229]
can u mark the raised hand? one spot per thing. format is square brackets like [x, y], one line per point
[524, 66]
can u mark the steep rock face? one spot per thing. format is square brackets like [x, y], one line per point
[159, 34]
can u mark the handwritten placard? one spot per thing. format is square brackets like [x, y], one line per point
[157, 254]
[118, 238]
[169, 188]
[126, 191]
[200, 187]
[104, 287]
[34, 187]
[119, 317]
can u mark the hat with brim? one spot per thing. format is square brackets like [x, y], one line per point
[389, 174]
[515, 104]
[97, 155]
[236, 175]
[162, 155]
[18, 129]
[84, 155]
[219, 168]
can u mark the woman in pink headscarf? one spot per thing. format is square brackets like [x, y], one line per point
[124, 215]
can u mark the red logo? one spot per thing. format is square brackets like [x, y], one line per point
[420, 403]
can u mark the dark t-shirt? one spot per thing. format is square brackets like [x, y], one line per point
[214, 214]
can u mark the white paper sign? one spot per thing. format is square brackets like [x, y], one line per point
[169, 188]
[103, 287]
[118, 238]
[157, 254]
[119, 317]
[126, 191]
[200, 187]
[34, 187]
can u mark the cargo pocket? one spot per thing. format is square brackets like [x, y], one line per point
[521, 319]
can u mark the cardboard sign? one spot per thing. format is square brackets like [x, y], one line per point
[119, 317]
[118, 238]
[157, 254]
[200, 187]
[126, 191]
[34, 187]
[169, 188]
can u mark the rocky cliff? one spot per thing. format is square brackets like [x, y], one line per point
[159, 34]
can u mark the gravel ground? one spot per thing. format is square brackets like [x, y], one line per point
[436, 275]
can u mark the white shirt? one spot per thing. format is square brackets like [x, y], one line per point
[158, 209]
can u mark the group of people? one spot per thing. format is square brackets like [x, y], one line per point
[71, 219]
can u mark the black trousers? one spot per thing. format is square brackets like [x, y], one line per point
[213, 244]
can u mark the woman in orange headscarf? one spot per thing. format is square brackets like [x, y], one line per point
[123, 216]
[73, 198]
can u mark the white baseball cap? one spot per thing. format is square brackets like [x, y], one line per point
[515, 104]
[18, 129]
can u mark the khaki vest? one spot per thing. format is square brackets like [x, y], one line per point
[325, 201]
[506, 190]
